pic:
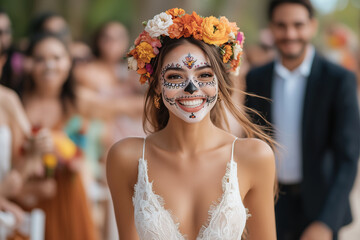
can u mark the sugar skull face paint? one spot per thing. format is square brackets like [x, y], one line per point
[189, 86]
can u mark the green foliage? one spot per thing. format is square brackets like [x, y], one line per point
[101, 11]
[20, 14]
[249, 15]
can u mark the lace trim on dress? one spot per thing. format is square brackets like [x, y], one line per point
[150, 211]
[226, 217]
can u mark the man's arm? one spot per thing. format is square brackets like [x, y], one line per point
[345, 142]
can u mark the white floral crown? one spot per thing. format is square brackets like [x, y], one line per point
[174, 23]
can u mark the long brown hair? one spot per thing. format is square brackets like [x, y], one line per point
[156, 119]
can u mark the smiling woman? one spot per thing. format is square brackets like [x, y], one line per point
[49, 102]
[181, 82]
[191, 159]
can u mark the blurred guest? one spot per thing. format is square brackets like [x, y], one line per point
[315, 115]
[15, 166]
[341, 46]
[5, 31]
[12, 70]
[263, 51]
[17, 162]
[81, 52]
[116, 101]
[49, 100]
[52, 23]
[108, 80]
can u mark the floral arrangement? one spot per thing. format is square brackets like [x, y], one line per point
[175, 23]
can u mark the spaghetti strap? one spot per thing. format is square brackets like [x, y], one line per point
[232, 149]
[143, 152]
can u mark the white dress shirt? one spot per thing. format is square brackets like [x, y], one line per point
[288, 94]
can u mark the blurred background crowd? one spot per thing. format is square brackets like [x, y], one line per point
[66, 96]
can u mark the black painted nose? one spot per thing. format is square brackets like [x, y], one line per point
[191, 88]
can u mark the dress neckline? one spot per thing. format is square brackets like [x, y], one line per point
[213, 207]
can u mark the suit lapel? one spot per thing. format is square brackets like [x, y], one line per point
[310, 95]
[267, 90]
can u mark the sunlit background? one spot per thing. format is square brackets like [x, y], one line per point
[337, 39]
[84, 16]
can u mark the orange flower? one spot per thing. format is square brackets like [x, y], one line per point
[175, 12]
[214, 31]
[145, 52]
[140, 63]
[230, 26]
[228, 53]
[187, 20]
[143, 37]
[132, 53]
[196, 26]
[141, 71]
[235, 63]
[176, 29]
[192, 25]
[144, 78]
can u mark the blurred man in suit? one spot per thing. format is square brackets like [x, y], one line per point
[315, 117]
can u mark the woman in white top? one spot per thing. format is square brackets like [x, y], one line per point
[15, 167]
[191, 179]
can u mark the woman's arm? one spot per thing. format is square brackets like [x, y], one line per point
[260, 197]
[121, 170]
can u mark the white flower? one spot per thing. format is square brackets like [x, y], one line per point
[237, 49]
[159, 25]
[232, 35]
[132, 63]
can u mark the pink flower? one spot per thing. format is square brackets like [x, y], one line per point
[149, 68]
[156, 45]
[240, 38]
[145, 37]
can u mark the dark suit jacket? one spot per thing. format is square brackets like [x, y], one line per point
[330, 137]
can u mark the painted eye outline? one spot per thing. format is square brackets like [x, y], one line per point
[205, 76]
[173, 76]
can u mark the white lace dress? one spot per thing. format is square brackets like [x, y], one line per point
[5, 150]
[226, 219]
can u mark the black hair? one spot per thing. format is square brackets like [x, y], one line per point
[37, 24]
[275, 3]
[67, 95]
[7, 77]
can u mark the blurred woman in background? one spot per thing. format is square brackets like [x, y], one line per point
[108, 80]
[49, 100]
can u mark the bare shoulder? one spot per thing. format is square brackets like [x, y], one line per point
[9, 97]
[257, 157]
[126, 148]
[253, 151]
[122, 159]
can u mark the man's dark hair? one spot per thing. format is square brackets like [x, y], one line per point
[275, 3]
